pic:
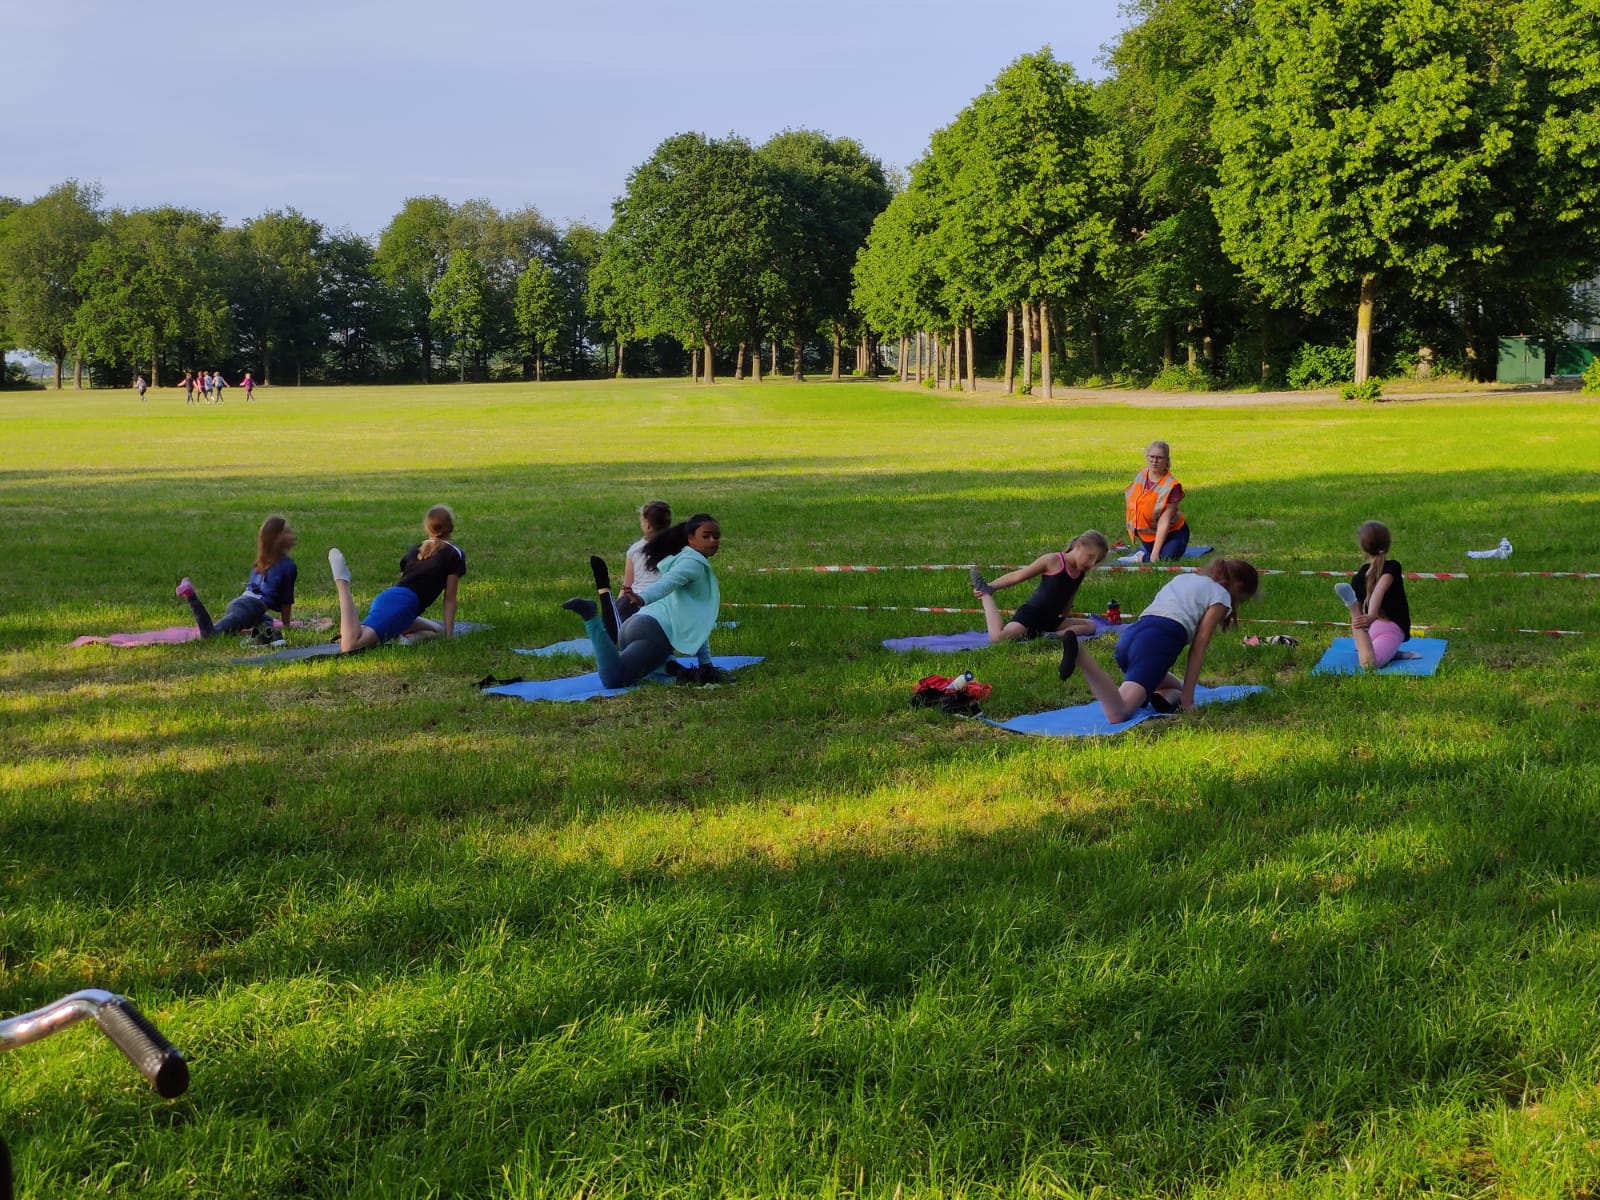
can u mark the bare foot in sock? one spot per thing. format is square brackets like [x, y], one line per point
[336, 563]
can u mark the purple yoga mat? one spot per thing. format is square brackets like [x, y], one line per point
[976, 639]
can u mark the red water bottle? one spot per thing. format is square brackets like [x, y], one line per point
[1113, 613]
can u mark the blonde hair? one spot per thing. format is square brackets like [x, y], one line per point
[440, 524]
[1094, 538]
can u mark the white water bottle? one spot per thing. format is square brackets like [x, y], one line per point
[959, 683]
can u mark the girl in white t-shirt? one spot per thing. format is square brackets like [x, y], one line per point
[1186, 612]
[637, 573]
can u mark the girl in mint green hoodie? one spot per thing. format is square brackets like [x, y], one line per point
[678, 610]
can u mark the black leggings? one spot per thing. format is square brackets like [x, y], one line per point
[644, 648]
[244, 612]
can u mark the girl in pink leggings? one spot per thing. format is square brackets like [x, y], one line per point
[1380, 617]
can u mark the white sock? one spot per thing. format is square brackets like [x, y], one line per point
[1346, 594]
[341, 569]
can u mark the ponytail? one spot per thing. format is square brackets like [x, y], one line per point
[268, 539]
[440, 523]
[673, 539]
[1240, 578]
[1374, 539]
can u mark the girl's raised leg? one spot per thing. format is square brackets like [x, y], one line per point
[1361, 637]
[202, 618]
[351, 630]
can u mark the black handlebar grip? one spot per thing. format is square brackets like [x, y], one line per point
[158, 1060]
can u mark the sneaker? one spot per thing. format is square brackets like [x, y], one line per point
[979, 584]
[708, 675]
[185, 589]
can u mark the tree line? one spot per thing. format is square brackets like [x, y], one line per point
[1398, 180]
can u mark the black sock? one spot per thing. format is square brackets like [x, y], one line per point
[602, 576]
[585, 608]
[1069, 655]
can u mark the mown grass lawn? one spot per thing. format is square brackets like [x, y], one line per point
[789, 937]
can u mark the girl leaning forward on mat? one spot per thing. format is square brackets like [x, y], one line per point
[428, 570]
[677, 612]
[1186, 612]
[1380, 616]
[1049, 609]
[270, 588]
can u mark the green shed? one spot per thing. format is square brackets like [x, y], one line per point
[1521, 361]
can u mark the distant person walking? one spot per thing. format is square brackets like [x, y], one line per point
[249, 386]
[217, 384]
[139, 385]
[187, 384]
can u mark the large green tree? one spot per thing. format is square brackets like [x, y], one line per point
[694, 228]
[829, 191]
[460, 306]
[275, 286]
[152, 288]
[1393, 147]
[43, 246]
[413, 250]
[539, 312]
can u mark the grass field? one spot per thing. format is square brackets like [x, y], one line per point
[789, 937]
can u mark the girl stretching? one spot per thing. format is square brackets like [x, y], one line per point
[433, 567]
[1186, 612]
[1380, 616]
[677, 612]
[654, 517]
[1048, 610]
[270, 588]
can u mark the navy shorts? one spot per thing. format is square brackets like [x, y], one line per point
[1177, 542]
[1149, 649]
[392, 612]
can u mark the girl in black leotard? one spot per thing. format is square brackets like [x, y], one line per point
[1049, 609]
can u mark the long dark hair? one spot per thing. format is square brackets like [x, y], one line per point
[674, 538]
[1234, 573]
[269, 542]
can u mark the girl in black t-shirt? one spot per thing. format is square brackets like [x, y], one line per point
[1380, 616]
[427, 571]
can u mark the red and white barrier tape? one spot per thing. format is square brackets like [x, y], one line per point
[928, 608]
[1176, 570]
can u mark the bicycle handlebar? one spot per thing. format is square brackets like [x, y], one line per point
[157, 1059]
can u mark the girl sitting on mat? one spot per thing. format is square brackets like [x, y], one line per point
[1380, 616]
[270, 588]
[654, 517]
[1186, 612]
[427, 570]
[676, 613]
[1049, 609]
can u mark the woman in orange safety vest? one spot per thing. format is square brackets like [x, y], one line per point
[1155, 523]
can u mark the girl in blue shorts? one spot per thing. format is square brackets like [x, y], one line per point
[427, 571]
[1186, 612]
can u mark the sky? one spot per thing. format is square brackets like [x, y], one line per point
[344, 108]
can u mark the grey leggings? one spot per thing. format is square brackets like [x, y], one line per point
[244, 612]
[644, 648]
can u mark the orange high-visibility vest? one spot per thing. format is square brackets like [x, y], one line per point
[1145, 500]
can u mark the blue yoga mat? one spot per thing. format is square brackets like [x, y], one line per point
[1341, 658]
[1188, 552]
[976, 639]
[1089, 720]
[323, 649]
[585, 687]
[584, 648]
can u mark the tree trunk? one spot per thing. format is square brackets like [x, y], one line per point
[711, 364]
[774, 353]
[427, 361]
[1369, 301]
[1169, 345]
[1266, 347]
[919, 341]
[900, 362]
[937, 350]
[155, 371]
[61, 363]
[1194, 358]
[1027, 346]
[77, 372]
[1097, 354]
[972, 360]
[1044, 349]
[836, 364]
[955, 359]
[1011, 350]
[1425, 357]
[799, 357]
[694, 364]
[738, 364]
[538, 367]
[620, 345]
[755, 362]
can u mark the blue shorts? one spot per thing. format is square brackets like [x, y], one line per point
[392, 612]
[1148, 650]
[1177, 542]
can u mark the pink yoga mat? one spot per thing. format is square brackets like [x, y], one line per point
[175, 636]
